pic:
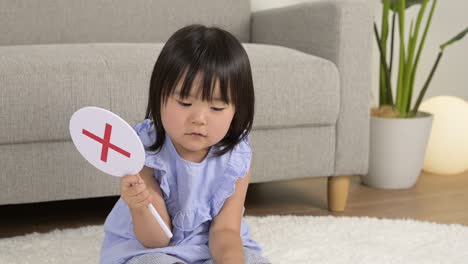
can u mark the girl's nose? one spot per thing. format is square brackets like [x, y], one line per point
[198, 117]
[198, 122]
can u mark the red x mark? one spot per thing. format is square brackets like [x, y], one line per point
[106, 143]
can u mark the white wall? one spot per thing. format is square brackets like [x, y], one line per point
[450, 17]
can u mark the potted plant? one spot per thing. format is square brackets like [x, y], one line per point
[398, 132]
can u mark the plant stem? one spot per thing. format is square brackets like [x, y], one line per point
[383, 94]
[401, 72]
[426, 84]
[459, 36]
[421, 44]
[421, 13]
[409, 64]
[391, 48]
[383, 59]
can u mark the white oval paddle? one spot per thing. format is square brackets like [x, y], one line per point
[110, 144]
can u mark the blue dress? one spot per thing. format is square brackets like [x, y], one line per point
[194, 194]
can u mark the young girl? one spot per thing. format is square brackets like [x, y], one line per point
[199, 115]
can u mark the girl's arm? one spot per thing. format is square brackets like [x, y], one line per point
[147, 230]
[225, 241]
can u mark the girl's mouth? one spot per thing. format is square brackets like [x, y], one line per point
[196, 135]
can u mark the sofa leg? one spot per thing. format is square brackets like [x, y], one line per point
[337, 192]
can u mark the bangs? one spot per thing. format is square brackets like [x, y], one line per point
[201, 80]
[204, 66]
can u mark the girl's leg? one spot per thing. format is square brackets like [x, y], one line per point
[154, 258]
[250, 257]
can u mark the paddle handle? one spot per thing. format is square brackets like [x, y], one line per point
[160, 221]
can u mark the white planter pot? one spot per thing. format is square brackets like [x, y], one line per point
[397, 149]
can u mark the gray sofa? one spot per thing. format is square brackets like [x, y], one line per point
[311, 71]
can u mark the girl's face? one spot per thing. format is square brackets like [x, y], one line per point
[194, 125]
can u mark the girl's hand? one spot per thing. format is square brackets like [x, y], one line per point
[134, 192]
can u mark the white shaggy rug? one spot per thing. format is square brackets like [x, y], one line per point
[285, 239]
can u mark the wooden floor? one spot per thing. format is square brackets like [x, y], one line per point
[435, 198]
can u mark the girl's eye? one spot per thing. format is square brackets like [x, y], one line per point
[217, 109]
[184, 104]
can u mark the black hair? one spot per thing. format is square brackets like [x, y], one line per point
[217, 55]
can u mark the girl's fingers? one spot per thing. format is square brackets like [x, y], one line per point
[137, 190]
[134, 191]
[141, 199]
[131, 180]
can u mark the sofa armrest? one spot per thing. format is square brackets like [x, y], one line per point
[340, 31]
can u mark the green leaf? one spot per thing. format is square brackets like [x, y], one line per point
[456, 38]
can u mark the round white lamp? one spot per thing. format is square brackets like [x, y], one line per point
[447, 150]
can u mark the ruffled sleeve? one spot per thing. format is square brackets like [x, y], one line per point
[147, 134]
[237, 166]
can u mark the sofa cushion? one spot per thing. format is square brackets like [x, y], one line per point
[83, 21]
[292, 88]
[43, 85]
